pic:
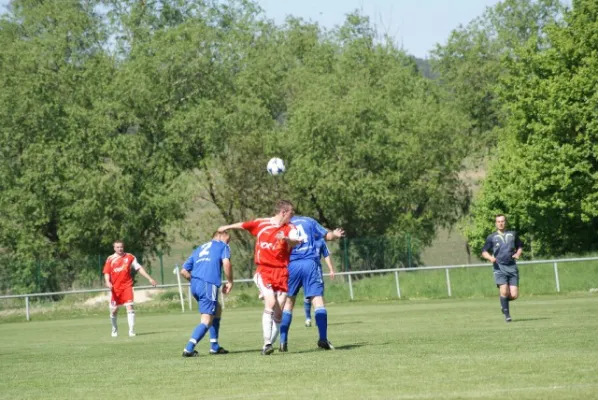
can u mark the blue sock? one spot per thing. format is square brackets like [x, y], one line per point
[198, 333]
[322, 322]
[285, 324]
[214, 329]
[307, 308]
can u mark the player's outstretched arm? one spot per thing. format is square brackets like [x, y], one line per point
[228, 273]
[335, 234]
[238, 225]
[330, 267]
[147, 276]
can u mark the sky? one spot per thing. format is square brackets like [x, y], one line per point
[416, 25]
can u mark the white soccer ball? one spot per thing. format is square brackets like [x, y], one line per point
[275, 166]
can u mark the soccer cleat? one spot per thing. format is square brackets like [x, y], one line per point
[267, 350]
[308, 323]
[283, 348]
[507, 317]
[114, 332]
[193, 353]
[132, 334]
[221, 350]
[325, 344]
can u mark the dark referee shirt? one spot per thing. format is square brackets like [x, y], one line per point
[503, 246]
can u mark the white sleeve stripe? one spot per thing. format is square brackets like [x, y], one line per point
[135, 264]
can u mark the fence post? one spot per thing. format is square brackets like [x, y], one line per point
[161, 269]
[448, 282]
[556, 277]
[397, 282]
[350, 287]
[27, 308]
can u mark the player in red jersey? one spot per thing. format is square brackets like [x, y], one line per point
[275, 238]
[117, 275]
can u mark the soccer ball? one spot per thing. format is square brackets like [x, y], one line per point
[275, 166]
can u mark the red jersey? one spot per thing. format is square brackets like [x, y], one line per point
[119, 268]
[269, 250]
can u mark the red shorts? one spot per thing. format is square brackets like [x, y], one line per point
[121, 296]
[276, 279]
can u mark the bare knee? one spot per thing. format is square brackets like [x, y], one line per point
[289, 304]
[317, 301]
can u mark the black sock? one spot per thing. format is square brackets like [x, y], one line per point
[504, 303]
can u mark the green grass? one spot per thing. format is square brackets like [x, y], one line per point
[449, 349]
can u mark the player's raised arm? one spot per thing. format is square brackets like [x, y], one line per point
[335, 234]
[238, 225]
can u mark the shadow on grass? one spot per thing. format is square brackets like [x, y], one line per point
[528, 319]
[336, 348]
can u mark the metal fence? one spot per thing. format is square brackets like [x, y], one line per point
[349, 276]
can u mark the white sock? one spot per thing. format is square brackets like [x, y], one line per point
[267, 326]
[131, 320]
[275, 331]
[113, 322]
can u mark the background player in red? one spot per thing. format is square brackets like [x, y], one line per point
[117, 275]
[275, 238]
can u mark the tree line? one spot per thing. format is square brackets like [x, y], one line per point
[115, 115]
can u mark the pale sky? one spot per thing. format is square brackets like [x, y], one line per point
[417, 25]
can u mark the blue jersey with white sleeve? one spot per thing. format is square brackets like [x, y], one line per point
[310, 231]
[206, 262]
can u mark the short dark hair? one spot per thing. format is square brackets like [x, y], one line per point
[283, 205]
[217, 233]
[500, 215]
[118, 241]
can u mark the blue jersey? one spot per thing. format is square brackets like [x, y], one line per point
[206, 261]
[322, 249]
[310, 231]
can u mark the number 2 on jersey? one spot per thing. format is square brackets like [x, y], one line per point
[205, 249]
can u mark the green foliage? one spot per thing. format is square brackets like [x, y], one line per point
[470, 64]
[546, 178]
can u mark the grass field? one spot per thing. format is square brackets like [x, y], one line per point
[435, 349]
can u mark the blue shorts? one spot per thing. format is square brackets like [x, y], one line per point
[206, 295]
[306, 274]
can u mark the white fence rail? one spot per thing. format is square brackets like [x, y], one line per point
[349, 274]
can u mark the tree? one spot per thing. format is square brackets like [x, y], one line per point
[470, 64]
[546, 177]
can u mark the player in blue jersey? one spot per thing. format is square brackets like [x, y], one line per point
[506, 248]
[323, 251]
[203, 269]
[305, 271]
